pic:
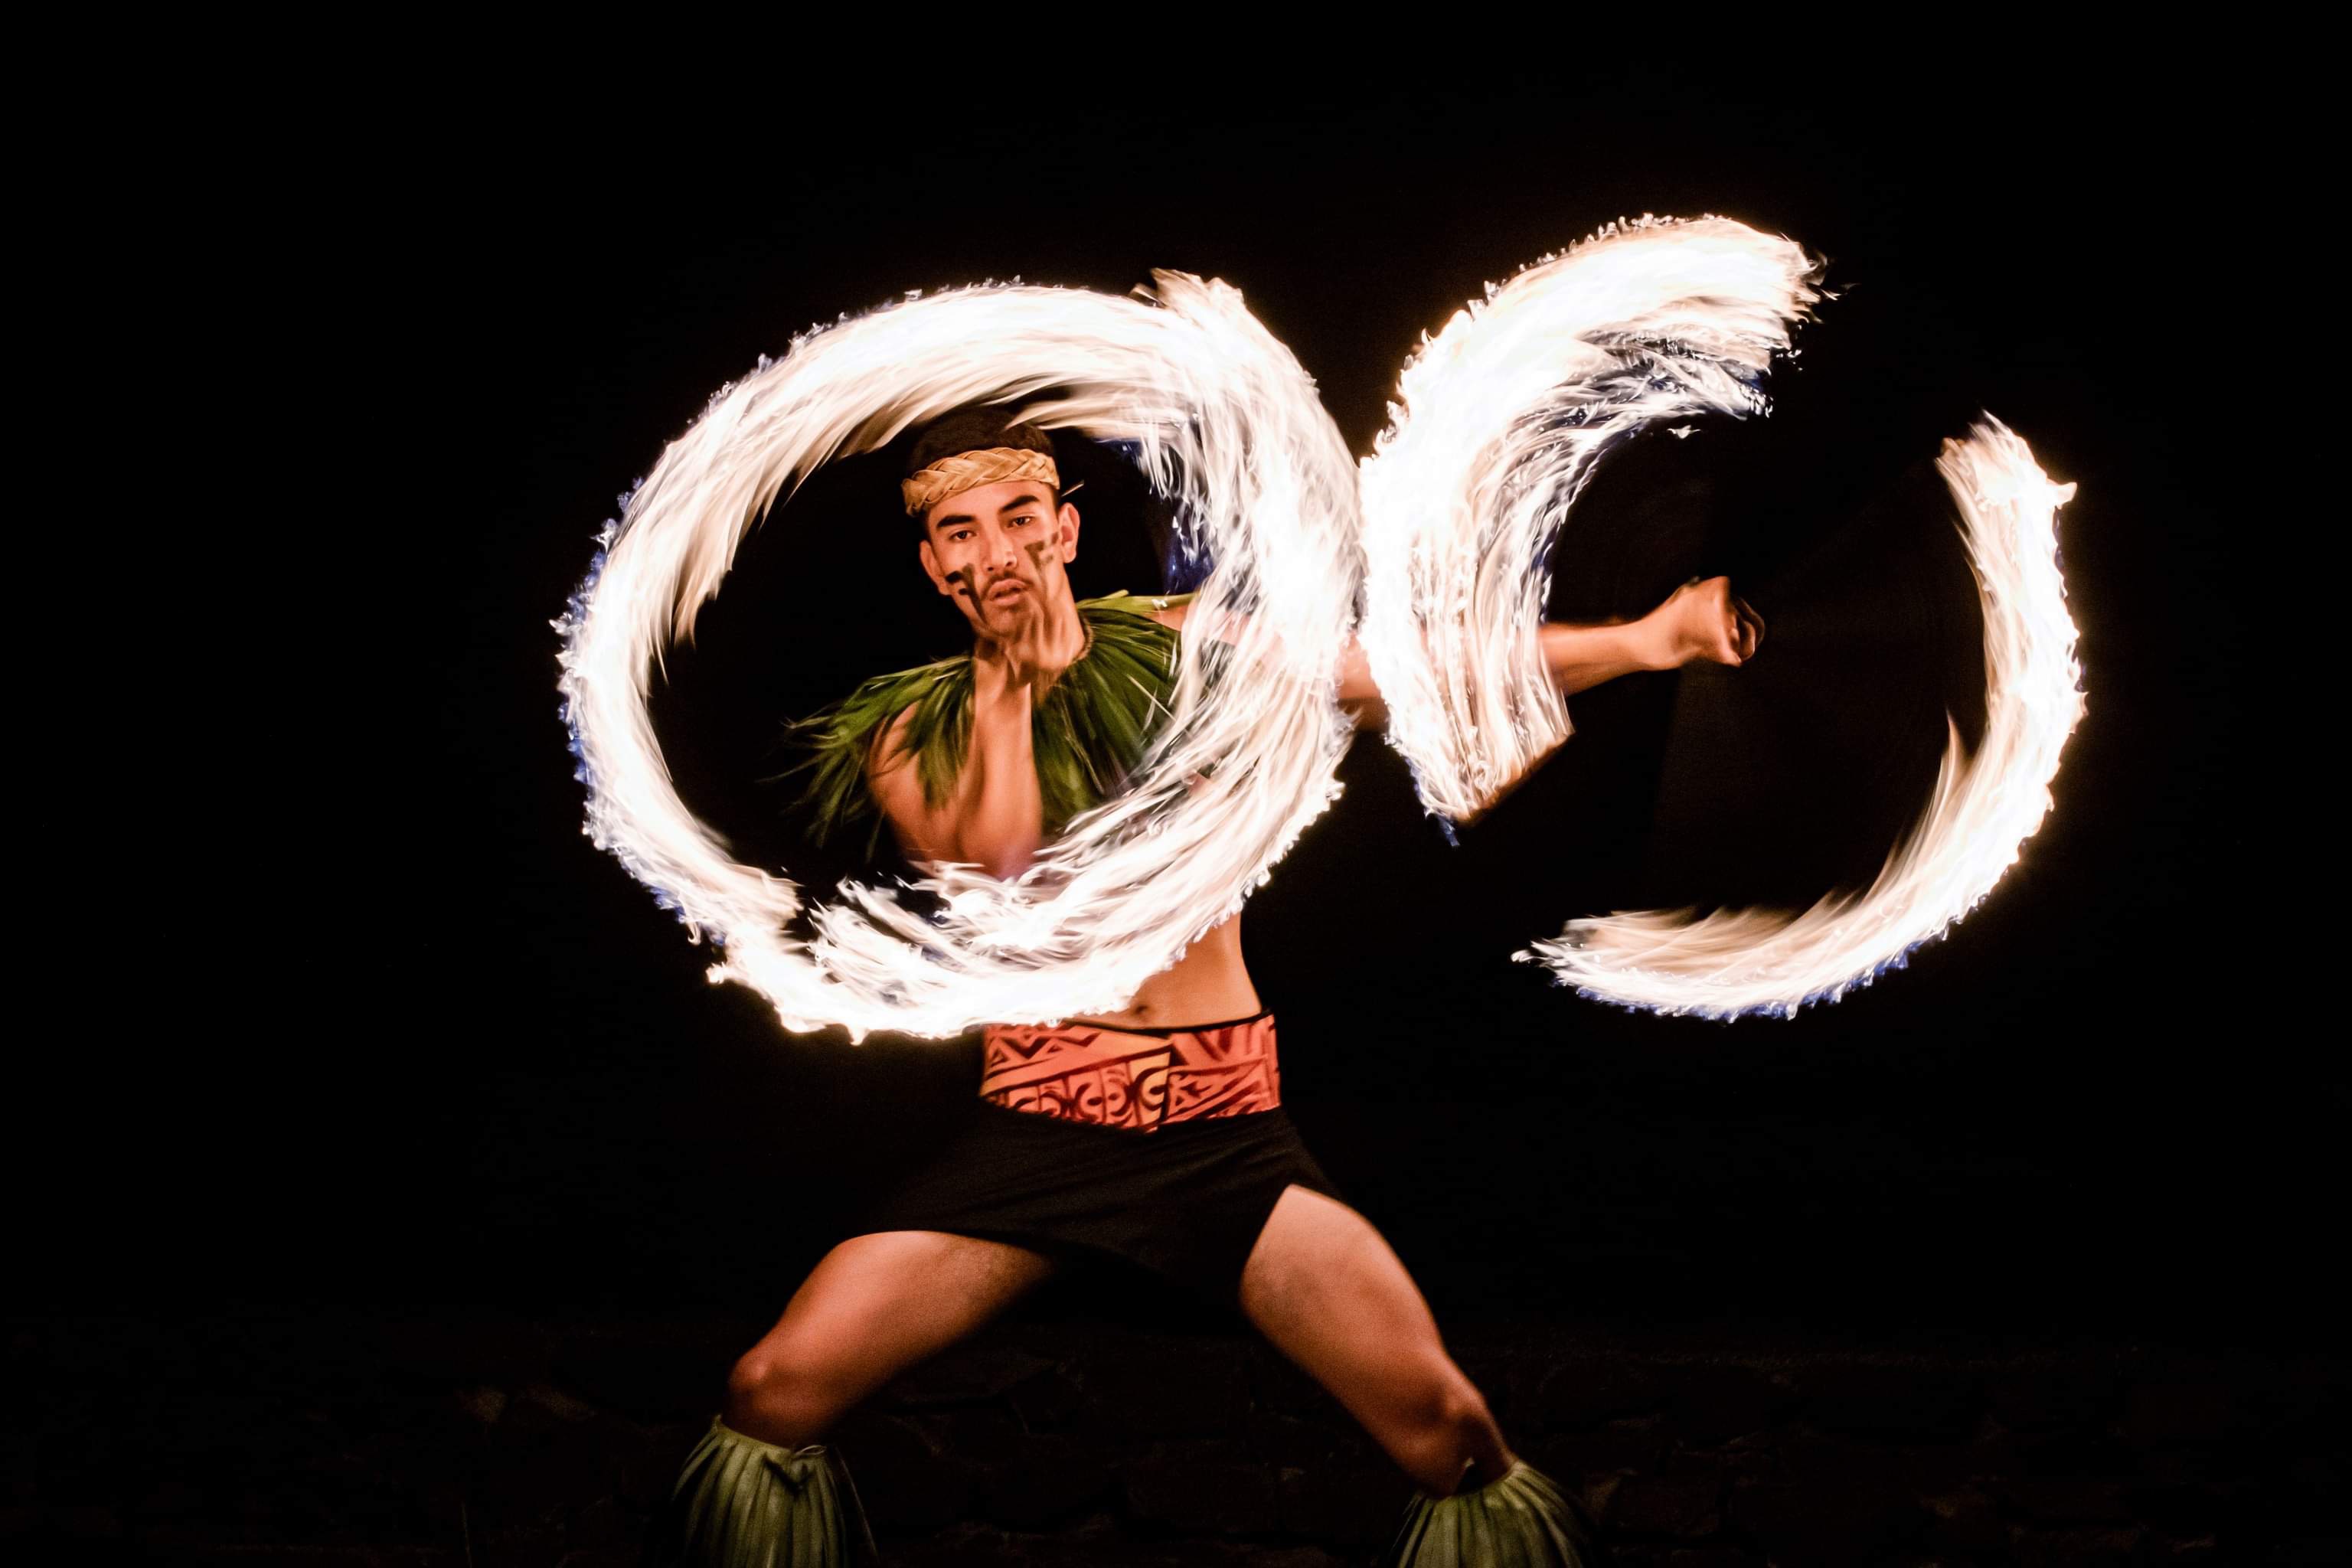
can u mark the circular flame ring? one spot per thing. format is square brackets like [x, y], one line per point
[1225, 423]
[1498, 424]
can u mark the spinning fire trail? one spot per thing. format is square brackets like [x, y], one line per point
[1440, 537]
[1228, 424]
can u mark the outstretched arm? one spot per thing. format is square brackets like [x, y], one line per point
[1702, 621]
[994, 816]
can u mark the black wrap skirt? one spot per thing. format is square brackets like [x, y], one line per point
[1186, 1201]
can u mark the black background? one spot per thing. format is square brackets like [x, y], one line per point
[445, 1050]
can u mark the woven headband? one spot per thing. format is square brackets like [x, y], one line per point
[924, 488]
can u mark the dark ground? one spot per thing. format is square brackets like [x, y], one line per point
[439, 1438]
[417, 1192]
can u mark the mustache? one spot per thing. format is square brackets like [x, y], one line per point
[968, 583]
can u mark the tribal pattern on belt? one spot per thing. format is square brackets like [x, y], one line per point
[1134, 1078]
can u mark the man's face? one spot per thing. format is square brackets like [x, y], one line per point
[999, 551]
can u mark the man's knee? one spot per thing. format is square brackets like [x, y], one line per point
[1440, 1430]
[1460, 1411]
[1446, 1421]
[779, 1396]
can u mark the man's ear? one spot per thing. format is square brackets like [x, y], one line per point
[930, 559]
[1066, 531]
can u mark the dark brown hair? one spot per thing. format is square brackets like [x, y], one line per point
[970, 430]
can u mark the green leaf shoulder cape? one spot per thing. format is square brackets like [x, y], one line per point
[1089, 732]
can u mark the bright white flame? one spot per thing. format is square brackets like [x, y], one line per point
[1500, 420]
[1982, 810]
[1228, 424]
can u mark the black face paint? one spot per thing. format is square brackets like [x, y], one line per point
[961, 578]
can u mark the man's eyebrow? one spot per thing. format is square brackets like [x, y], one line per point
[953, 518]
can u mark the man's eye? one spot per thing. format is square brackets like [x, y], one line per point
[1019, 520]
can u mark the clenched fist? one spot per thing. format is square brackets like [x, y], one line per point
[1705, 620]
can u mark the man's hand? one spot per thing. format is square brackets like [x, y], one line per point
[1027, 656]
[1703, 620]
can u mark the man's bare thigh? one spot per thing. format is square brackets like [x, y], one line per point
[877, 1303]
[1325, 1287]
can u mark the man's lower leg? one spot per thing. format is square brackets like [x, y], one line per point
[740, 1502]
[1498, 1511]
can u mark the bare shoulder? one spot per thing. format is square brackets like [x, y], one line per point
[887, 758]
[897, 787]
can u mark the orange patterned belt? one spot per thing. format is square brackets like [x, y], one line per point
[1124, 1076]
